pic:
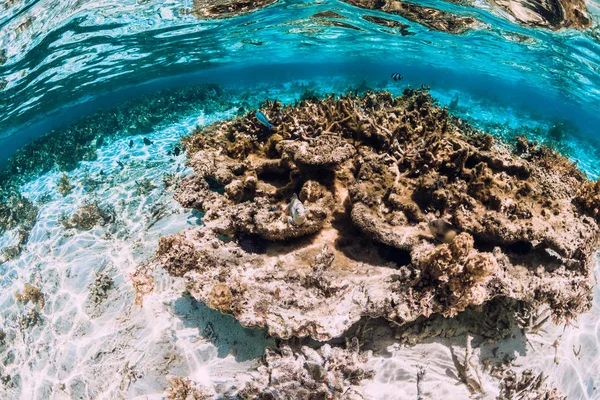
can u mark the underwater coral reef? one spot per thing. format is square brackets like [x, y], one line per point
[398, 211]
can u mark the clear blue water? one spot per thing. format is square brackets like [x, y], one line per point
[63, 60]
[74, 50]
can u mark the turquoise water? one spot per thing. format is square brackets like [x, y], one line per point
[61, 61]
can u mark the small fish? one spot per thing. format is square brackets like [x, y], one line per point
[442, 230]
[263, 120]
[148, 142]
[120, 164]
[176, 151]
[397, 76]
[130, 143]
[296, 211]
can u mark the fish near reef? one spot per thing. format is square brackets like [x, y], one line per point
[397, 76]
[442, 230]
[263, 120]
[148, 142]
[296, 211]
[176, 151]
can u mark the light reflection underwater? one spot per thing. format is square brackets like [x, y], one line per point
[94, 60]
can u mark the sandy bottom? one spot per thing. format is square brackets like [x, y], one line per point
[113, 349]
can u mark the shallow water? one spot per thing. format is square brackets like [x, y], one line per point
[74, 58]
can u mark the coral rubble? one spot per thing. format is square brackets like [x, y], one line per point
[409, 212]
[526, 385]
[31, 294]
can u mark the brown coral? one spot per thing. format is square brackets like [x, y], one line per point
[326, 373]
[373, 173]
[534, 386]
[87, 216]
[184, 389]
[64, 186]
[220, 297]
[32, 294]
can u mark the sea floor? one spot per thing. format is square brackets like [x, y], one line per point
[107, 347]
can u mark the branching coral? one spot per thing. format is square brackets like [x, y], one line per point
[326, 373]
[409, 213]
[184, 389]
[588, 197]
[526, 385]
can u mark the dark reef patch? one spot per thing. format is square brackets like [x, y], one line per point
[63, 149]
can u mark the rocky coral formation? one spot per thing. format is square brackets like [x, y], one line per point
[407, 212]
[432, 18]
[184, 389]
[306, 373]
[588, 198]
[87, 216]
